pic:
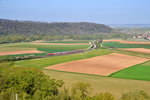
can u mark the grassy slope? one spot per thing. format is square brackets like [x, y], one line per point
[44, 62]
[139, 72]
[101, 84]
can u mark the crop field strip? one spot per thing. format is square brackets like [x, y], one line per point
[142, 50]
[12, 49]
[125, 45]
[100, 65]
[73, 41]
[132, 53]
[20, 52]
[128, 42]
[61, 43]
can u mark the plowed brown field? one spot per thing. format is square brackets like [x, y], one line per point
[130, 42]
[62, 43]
[100, 65]
[142, 50]
[19, 52]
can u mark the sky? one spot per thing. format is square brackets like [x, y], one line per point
[97, 11]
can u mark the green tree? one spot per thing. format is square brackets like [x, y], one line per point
[27, 82]
[80, 91]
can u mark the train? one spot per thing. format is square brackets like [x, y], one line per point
[63, 53]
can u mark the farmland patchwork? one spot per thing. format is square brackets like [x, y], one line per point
[100, 65]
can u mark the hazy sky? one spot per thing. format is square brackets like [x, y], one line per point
[98, 11]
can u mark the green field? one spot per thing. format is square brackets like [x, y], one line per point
[125, 45]
[138, 72]
[101, 84]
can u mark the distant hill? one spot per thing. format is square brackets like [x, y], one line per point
[130, 25]
[8, 27]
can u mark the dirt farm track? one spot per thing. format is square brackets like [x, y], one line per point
[100, 65]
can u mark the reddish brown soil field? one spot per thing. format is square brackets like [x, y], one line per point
[19, 52]
[62, 43]
[142, 50]
[130, 42]
[100, 65]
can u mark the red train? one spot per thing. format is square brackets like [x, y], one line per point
[62, 53]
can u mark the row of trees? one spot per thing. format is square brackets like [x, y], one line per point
[20, 83]
[28, 38]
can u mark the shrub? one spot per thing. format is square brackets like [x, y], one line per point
[104, 96]
[135, 95]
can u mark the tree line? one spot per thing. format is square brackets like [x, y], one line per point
[20, 83]
[28, 38]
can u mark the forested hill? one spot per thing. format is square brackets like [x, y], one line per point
[8, 27]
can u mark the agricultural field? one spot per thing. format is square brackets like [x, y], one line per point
[125, 45]
[100, 65]
[138, 72]
[137, 40]
[19, 52]
[61, 43]
[37, 49]
[129, 40]
[108, 69]
[50, 61]
[71, 41]
[141, 50]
